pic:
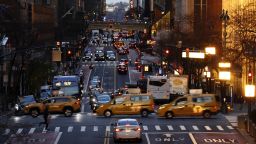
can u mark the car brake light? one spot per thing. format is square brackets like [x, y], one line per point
[137, 129]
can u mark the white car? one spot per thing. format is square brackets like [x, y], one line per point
[127, 129]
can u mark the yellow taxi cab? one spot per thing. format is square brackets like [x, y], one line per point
[61, 104]
[130, 104]
[191, 105]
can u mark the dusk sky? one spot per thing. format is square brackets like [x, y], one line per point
[115, 1]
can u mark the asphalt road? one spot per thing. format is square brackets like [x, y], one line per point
[88, 128]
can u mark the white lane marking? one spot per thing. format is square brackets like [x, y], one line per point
[83, 128]
[108, 128]
[70, 129]
[220, 127]
[207, 128]
[32, 130]
[192, 138]
[82, 109]
[230, 127]
[44, 130]
[6, 132]
[195, 128]
[145, 128]
[148, 141]
[57, 129]
[182, 127]
[58, 138]
[157, 127]
[54, 116]
[95, 128]
[19, 130]
[170, 127]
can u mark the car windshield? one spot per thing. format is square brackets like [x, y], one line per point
[70, 90]
[127, 122]
[27, 99]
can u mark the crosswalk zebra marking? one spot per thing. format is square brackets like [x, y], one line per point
[32, 130]
[108, 128]
[158, 127]
[6, 132]
[57, 129]
[220, 128]
[145, 128]
[19, 130]
[44, 130]
[182, 127]
[70, 129]
[95, 128]
[207, 128]
[230, 127]
[170, 127]
[83, 128]
[195, 128]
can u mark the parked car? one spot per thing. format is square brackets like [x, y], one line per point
[99, 55]
[87, 56]
[64, 104]
[127, 129]
[191, 105]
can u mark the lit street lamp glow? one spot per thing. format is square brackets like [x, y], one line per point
[224, 65]
[249, 90]
[195, 55]
[224, 75]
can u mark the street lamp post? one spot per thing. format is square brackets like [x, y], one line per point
[224, 17]
[249, 94]
[224, 75]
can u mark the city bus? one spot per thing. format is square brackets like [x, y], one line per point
[68, 85]
[159, 87]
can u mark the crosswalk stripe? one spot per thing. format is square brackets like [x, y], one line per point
[32, 130]
[95, 128]
[207, 128]
[145, 128]
[108, 128]
[230, 127]
[70, 129]
[170, 127]
[220, 128]
[57, 129]
[44, 130]
[157, 127]
[83, 128]
[19, 130]
[6, 132]
[195, 127]
[182, 127]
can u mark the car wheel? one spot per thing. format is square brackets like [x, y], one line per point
[116, 140]
[206, 114]
[107, 113]
[169, 114]
[144, 113]
[34, 112]
[68, 112]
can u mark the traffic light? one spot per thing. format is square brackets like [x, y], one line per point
[58, 44]
[250, 77]
[69, 52]
[167, 51]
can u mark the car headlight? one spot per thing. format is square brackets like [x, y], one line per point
[16, 107]
[94, 100]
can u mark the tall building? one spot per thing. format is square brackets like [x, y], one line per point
[95, 9]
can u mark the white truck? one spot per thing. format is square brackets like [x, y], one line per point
[163, 87]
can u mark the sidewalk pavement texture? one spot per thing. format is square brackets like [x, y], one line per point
[232, 117]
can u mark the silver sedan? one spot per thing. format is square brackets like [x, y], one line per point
[127, 129]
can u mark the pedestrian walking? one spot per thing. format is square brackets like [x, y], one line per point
[45, 116]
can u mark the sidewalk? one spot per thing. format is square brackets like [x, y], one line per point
[232, 117]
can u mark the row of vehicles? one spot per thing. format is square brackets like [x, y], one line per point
[99, 55]
[133, 104]
[63, 96]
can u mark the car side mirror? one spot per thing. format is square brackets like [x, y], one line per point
[140, 123]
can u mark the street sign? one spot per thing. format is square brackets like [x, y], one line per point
[219, 138]
[167, 138]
